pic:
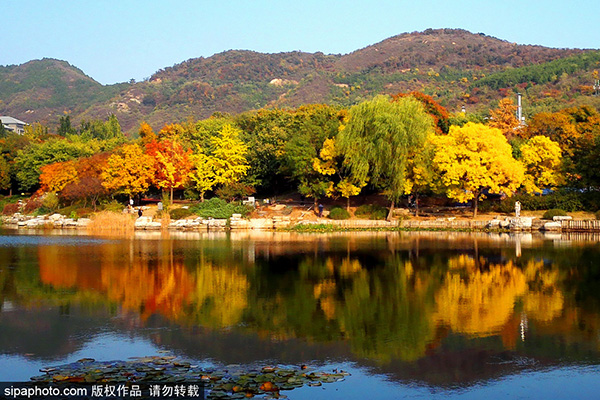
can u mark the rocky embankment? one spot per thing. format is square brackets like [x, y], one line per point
[236, 222]
[58, 221]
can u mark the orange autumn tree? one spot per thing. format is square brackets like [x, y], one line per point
[172, 164]
[88, 185]
[56, 176]
[505, 118]
[441, 118]
[146, 133]
[129, 171]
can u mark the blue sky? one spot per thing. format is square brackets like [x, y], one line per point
[114, 41]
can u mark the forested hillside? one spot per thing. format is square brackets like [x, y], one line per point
[457, 68]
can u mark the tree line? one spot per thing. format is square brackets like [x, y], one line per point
[400, 145]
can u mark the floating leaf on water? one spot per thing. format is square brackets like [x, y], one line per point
[86, 360]
[315, 384]
[182, 364]
[268, 387]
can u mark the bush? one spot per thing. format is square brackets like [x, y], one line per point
[113, 206]
[565, 200]
[597, 214]
[371, 211]
[180, 213]
[555, 212]
[32, 204]
[7, 200]
[339, 213]
[50, 202]
[218, 209]
[11, 208]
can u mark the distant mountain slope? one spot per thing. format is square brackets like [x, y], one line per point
[446, 48]
[42, 88]
[456, 67]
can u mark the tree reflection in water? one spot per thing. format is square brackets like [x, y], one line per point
[392, 297]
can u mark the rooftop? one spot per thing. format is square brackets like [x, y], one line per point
[10, 120]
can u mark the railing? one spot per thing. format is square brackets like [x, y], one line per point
[444, 224]
[581, 226]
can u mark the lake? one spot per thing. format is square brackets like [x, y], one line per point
[407, 314]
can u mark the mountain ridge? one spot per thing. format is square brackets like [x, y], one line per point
[444, 63]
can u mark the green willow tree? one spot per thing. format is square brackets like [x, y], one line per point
[379, 137]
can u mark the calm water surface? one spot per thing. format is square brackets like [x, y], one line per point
[410, 315]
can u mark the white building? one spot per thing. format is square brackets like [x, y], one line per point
[13, 124]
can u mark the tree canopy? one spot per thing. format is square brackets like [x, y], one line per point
[378, 138]
[473, 160]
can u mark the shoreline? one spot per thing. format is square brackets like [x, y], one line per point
[287, 224]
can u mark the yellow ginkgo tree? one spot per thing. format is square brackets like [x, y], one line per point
[327, 164]
[542, 160]
[475, 159]
[225, 164]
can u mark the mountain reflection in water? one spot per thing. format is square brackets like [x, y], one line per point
[442, 309]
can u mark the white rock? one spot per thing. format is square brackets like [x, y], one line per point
[562, 218]
[552, 226]
[83, 222]
[56, 217]
[494, 223]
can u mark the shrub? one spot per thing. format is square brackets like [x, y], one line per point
[218, 208]
[6, 200]
[113, 206]
[597, 214]
[50, 202]
[11, 208]
[564, 200]
[371, 211]
[555, 212]
[32, 204]
[180, 213]
[339, 213]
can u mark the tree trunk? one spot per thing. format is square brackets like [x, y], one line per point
[171, 202]
[389, 217]
[475, 203]
[348, 204]
[202, 197]
[416, 204]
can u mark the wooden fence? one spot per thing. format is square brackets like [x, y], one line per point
[581, 226]
[444, 224]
